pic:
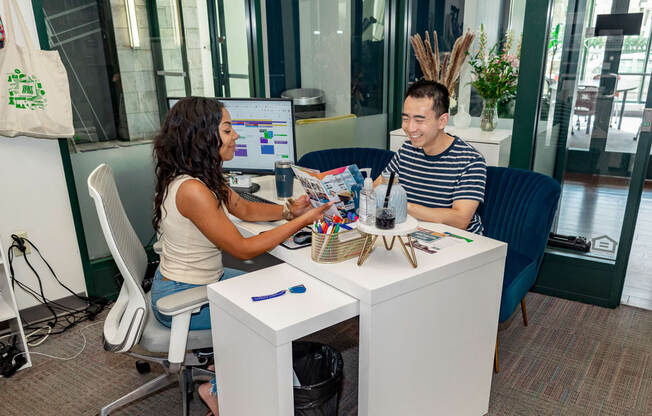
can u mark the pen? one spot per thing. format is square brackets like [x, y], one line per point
[468, 240]
[346, 227]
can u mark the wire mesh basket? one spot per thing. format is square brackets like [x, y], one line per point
[337, 247]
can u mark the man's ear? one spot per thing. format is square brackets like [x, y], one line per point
[443, 120]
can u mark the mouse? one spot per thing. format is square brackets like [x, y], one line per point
[302, 237]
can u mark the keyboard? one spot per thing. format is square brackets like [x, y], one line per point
[253, 198]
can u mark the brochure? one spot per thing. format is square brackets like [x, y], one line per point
[341, 185]
[432, 241]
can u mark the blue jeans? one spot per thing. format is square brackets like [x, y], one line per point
[162, 288]
[199, 320]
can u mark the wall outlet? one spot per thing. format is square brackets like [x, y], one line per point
[28, 250]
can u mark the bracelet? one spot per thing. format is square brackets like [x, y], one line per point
[287, 210]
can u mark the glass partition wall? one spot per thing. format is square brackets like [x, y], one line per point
[331, 57]
[589, 136]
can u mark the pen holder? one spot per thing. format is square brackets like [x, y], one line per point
[337, 247]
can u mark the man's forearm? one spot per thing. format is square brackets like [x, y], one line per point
[448, 216]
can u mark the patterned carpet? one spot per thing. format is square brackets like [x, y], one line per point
[573, 359]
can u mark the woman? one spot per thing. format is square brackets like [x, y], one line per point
[190, 200]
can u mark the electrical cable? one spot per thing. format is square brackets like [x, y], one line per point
[43, 337]
[20, 245]
[71, 316]
[84, 298]
[64, 358]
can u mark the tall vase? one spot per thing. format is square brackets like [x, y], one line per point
[462, 119]
[489, 118]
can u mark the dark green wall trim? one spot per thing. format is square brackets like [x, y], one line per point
[256, 19]
[77, 217]
[574, 277]
[397, 55]
[570, 58]
[632, 208]
[37, 6]
[39, 18]
[157, 58]
[533, 52]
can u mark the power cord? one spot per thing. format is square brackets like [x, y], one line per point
[18, 357]
[71, 316]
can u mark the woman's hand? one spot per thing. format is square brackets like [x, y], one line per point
[315, 214]
[300, 206]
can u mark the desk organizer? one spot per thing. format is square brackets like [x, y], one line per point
[337, 247]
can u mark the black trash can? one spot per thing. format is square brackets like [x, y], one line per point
[319, 370]
[308, 102]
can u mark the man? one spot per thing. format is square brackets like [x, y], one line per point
[444, 177]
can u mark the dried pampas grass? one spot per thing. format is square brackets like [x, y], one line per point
[448, 72]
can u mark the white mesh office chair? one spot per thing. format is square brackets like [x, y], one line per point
[131, 320]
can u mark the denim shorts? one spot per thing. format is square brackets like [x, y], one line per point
[199, 320]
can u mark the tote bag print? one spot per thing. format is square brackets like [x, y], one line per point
[26, 91]
[34, 94]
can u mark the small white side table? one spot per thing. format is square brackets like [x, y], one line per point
[372, 233]
[253, 340]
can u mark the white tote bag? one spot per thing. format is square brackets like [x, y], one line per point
[34, 93]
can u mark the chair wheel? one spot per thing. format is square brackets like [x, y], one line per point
[142, 367]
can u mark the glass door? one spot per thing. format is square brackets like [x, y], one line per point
[180, 37]
[231, 48]
[589, 133]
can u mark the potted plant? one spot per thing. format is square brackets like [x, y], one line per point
[495, 76]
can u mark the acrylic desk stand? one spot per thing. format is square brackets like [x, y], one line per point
[372, 233]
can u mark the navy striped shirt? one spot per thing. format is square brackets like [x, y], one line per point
[459, 172]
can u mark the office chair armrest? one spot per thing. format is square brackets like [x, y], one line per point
[181, 302]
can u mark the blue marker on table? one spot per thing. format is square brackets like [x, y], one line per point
[293, 289]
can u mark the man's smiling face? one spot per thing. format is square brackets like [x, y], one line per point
[420, 122]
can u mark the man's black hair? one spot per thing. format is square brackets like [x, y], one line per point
[431, 89]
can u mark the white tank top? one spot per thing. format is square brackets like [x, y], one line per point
[187, 255]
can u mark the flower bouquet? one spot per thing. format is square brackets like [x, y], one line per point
[495, 76]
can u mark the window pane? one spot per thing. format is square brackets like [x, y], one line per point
[335, 53]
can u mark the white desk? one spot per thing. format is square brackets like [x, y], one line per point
[253, 340]
[427, 335]
[494, 145]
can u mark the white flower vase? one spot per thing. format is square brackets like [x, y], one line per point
[462, 119]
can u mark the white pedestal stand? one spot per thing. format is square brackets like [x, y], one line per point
[372, 233]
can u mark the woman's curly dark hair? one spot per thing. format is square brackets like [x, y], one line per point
[189, 143]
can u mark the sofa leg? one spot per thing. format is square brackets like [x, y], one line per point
[524, 310]
[496, 357]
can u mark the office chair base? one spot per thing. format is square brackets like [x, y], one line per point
[150, 387]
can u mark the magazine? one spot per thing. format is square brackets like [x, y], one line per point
[432, 241]
[341, 185]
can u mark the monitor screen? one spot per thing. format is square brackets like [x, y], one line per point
[266, 130]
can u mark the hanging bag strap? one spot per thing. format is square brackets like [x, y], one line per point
[10, 31]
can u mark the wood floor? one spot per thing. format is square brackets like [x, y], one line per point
[593, 207]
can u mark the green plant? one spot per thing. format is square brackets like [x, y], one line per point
[495, 72]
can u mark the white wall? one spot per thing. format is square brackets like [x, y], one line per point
[34, 199]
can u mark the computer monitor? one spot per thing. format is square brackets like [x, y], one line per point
[266, 130]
